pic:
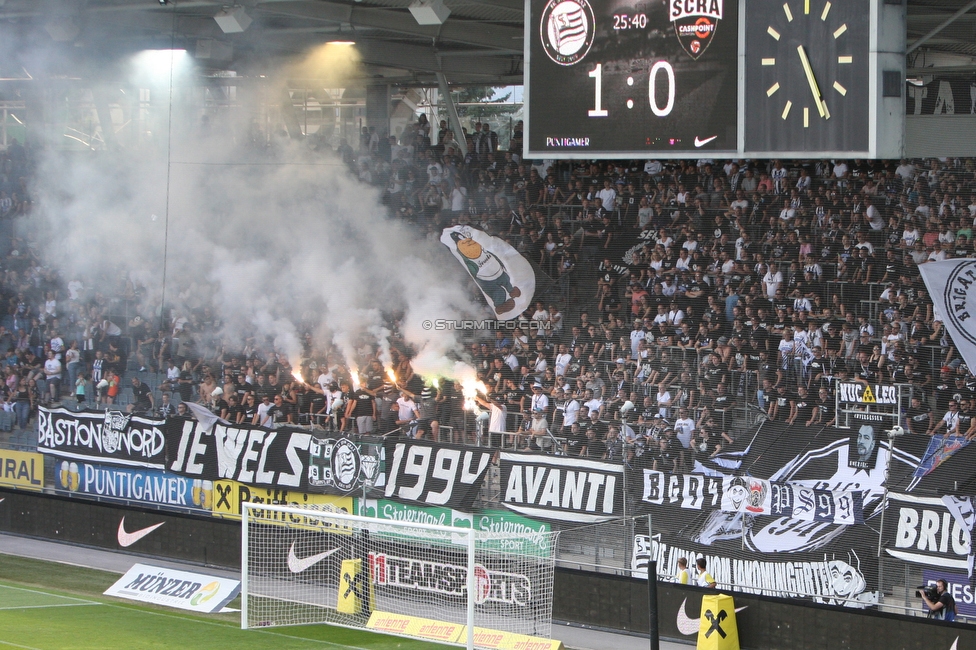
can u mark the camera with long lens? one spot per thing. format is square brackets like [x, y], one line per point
[930, 592]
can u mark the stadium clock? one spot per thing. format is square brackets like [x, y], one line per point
[807, 75]
[613, 78]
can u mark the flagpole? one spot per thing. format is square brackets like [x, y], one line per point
[884, 499]
[655, 639]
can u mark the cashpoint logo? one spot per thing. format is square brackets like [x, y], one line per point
[695, 23]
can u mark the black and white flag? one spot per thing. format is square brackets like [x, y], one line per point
[950, 283]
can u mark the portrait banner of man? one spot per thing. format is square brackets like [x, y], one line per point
[864, 446]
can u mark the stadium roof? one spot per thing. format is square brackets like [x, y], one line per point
[481, 41]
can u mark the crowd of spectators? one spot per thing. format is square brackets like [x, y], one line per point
[688, 290]
[675, 298]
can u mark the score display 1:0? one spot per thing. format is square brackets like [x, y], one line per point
[661, 66]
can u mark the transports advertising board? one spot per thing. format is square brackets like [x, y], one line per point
[670, 78]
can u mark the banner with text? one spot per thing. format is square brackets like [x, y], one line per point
[435, 474]
[950, 283]
[108, 437]
[181, 589]
[922, 530]
[514, 532]
[248, 454]
[747, 495]
[23, 470]
[562, 488]
[836, 579]
[133, 484]
[229, 495]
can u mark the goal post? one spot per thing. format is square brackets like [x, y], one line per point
[313, 565]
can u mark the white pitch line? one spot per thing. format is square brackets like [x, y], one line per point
[3, 609]
[17, 645]
[46, 593]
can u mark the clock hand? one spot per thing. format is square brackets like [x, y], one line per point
[814, 88]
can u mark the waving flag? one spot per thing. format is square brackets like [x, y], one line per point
[505, 277]
[950, 284]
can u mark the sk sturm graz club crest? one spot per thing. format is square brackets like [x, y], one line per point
[567, 29]
[337, 463]
[695, 23]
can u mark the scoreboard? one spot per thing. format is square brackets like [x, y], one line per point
[673, 78]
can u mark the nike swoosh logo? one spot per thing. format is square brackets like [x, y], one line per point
[689, 626]
[298, 564]
[128, 539]
[701, 143]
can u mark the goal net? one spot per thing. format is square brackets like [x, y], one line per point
[302, 566]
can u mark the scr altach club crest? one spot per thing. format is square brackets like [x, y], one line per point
[695, 23]
[566, 29]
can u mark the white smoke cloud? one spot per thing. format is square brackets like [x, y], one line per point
[267, 238]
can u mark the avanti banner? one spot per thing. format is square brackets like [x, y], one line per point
[562, 488]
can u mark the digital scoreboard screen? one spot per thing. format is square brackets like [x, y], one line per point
[612, 78]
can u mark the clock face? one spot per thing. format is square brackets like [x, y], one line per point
[807, 75]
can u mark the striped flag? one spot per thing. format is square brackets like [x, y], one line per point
[570, 26]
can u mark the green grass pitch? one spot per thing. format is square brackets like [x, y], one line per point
[52, 606]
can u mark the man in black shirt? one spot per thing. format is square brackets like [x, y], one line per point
[235, 411]
[664, 457]
[713, 373]
[964, 388]
[142, 397]
[919, 416]
[363, 409]
[718, 401]
[967, 418]
[866, 369]
[576, 441]
[825, 409]
[943, 607]
[817, 370]
[801, 408]
[944, 390]
[262, 388]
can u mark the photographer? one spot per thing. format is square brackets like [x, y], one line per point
[940, 602]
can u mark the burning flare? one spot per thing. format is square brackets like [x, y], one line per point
[470, 387]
